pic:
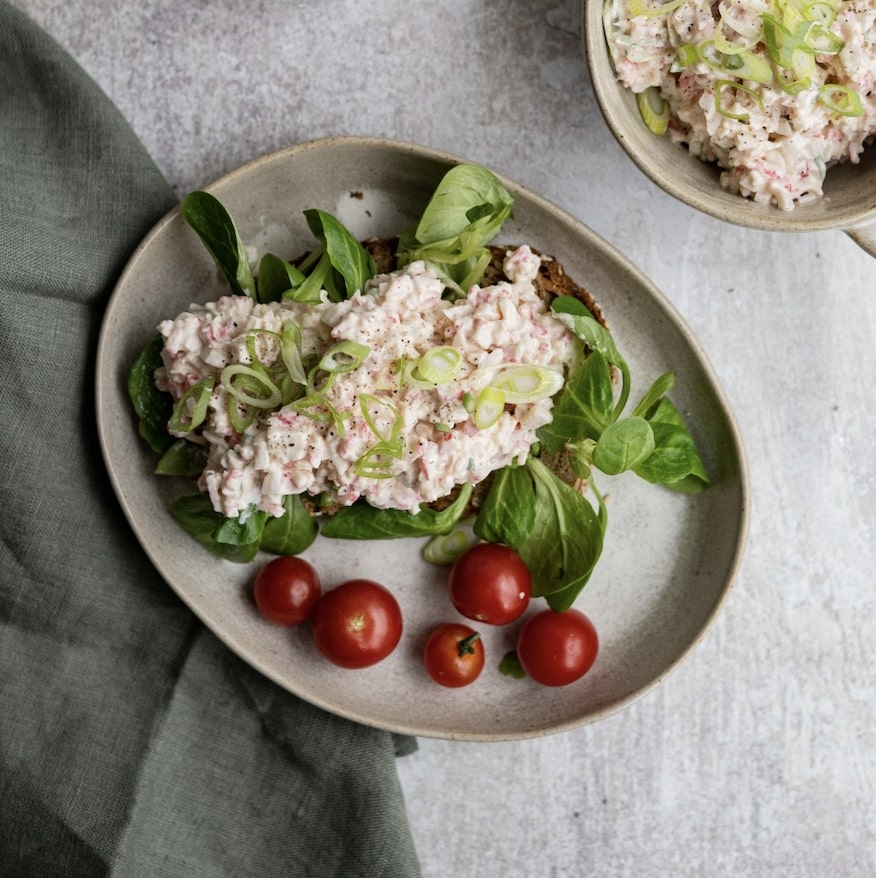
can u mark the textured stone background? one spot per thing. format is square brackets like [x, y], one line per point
[757, 756]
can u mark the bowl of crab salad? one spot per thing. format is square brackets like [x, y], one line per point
[369, 357]
[758, 112]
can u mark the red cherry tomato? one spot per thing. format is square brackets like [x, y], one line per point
[286, 590]
[454, 655]
[490, 583]
[357, 624]
[556, 649]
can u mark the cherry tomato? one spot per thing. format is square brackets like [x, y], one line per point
[490, 583]
[286, 590]
[454, 655]
[557, 648]
[357, 623]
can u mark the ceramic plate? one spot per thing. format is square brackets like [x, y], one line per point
[669, 560]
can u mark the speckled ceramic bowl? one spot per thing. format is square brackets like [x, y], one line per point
[669, 559]
[849, 201]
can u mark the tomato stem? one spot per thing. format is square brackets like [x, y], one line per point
[466, 645]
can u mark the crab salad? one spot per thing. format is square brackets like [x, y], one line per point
[411, 393]
[774, 91]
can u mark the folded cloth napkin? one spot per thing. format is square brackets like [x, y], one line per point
[132, 743]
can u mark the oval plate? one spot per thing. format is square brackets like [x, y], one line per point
[669, 559]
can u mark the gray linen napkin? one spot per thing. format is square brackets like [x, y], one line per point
[132, 743]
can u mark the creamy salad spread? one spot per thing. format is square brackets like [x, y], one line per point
[774, 91]
[379, 430]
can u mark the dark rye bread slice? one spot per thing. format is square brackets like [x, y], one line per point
[550, 282]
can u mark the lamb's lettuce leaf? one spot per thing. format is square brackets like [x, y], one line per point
[340, 265]
[152, 406]
[277, 277]
[215, 227]
[466, 212]
[363, 522]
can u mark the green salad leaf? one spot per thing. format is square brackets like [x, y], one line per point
[623, 445]
[215, 227]
[153, 407]
[566, 539]
[583, 408]
[183, 458]
[292, 532]
[276, 277]
[363, 522]
[466, 212]
[508, 511]
[196, 514]
[580, 321]
[340, 265]
[675, 461]
[510, 666]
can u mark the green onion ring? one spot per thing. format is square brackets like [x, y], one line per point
[200, 392]
[252, 380]
[489, 407]
[840, 99]
[723, 84]
[439, 365]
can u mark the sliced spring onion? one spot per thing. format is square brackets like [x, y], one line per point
[316, 374]
[265, 344]
[822, 12]
[521, 383]
[366, 400]
[200, 393]
[290, 351]
[318, 408]
[744, 65]
[841, 100]
[408, 374]
[737, 16]
[791, 83]
[446, 548]
[654, 109]
[289, 390]
[799, 77]
[724, 84]
[685, 55]
[266, 338]
[440, 364]
[240, 414]
[377, 461]
[785, 40]
[250, 386]
[490, 405]
[780, 42]
[468, 402]
[729, 47]
[753, 68]
[792, 16]
[821, 40]
[345, 356]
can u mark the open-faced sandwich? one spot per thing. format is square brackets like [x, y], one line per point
[396, 387]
